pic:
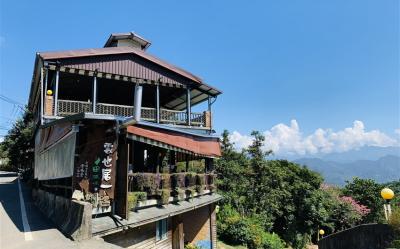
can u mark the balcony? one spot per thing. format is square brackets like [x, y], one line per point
[71, 107]
[149, 189]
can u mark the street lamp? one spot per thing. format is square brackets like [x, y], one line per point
[387, 194]
[320, 232]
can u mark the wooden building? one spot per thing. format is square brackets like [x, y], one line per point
[115, 128]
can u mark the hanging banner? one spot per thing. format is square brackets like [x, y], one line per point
[96, 164]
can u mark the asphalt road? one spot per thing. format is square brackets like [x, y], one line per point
[24, 226]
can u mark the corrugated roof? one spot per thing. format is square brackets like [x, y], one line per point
[120, 50]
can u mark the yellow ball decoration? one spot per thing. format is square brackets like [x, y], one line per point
[49, 92]
[387, 194]
[321, 232]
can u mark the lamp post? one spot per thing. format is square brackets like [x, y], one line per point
[387, 194]
[321, 233]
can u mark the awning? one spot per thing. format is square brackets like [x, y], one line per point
[198, 145]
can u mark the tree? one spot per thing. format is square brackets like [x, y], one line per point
[274, 196]
[18, 144]
[367, 193]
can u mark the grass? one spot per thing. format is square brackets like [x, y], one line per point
[222, 245]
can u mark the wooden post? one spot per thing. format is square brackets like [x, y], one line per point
[56, 93]
[187, 162]
[41, 96]
[49, 103]
[177, 232]
[158, 104]
[188, 107]
[121, 202]
[213, 225]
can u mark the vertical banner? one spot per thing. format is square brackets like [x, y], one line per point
[95, 168]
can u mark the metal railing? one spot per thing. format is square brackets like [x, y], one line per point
[70, 107]
[118, 110]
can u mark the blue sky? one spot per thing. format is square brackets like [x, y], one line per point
[324, 64]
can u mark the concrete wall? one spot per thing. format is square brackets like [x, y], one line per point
[368, 236]
[73, 218]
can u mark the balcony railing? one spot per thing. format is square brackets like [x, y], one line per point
[148, 189]
[152, 183]
[69, 107]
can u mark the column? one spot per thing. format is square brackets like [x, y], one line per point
[158, 104]
[94, 94]
[188, 107]
[138, 102]
[56, 93]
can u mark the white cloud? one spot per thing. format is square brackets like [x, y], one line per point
[289, 140]
[397, 131]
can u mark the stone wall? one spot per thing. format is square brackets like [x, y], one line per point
[368, 236]
[73, 218]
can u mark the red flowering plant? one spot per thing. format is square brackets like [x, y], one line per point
[357, 207]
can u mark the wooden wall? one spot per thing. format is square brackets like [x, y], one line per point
[197, 227]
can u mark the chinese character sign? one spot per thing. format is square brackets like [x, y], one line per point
[107, 166]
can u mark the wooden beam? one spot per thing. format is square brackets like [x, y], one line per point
[121, 188]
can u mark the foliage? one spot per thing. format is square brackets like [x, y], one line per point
[247, 231]
[394, 221]
[18, 144]
[134, 198]
[367, 193]
[200, 183]
[287, 199]
[191, 246]
[357, 207]
[190, 192]
[164, 196]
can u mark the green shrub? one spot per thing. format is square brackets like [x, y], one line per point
[134, 198]
[212, 188]
[180, 193]
[191, 246]
[249, 231]
[190, 179]
[199, 189]
[165, 181]
[164, 196]
[146, 182]
[394, 221]
[200, 181]
[190, 192]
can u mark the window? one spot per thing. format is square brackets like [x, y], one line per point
[161, 229]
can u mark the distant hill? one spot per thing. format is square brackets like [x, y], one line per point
[364, 153]
[384, 169]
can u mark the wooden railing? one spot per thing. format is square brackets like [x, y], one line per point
[70, 107]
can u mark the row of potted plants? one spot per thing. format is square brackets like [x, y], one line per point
[144, 186]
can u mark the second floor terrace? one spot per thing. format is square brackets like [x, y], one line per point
[122, 81]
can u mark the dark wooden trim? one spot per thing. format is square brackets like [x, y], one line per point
[177, 232]
[121, 188]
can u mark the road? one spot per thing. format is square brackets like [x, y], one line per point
[24, 226]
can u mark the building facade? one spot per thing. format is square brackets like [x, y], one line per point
[115, 130]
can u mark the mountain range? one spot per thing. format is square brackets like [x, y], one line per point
[378, 163]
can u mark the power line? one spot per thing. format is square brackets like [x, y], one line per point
[11, 101]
